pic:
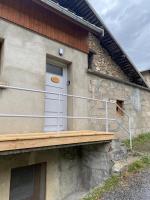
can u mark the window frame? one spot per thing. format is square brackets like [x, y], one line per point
[56, 70]
[39, 179]
[120, 107]
[91, 55]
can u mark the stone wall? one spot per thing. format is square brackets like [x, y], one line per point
[102, 62]
[136, 104]
[135, 99]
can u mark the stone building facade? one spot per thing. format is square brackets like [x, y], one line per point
[25, 52]
[24, 59]
[135, 98]
[114, 85]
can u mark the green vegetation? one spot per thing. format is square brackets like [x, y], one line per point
[139, 164]
[110, 184]
[140, 143]
[114, 181]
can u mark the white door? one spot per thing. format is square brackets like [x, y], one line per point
[55, 104]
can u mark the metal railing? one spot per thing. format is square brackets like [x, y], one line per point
[128, 130]
[107, 119]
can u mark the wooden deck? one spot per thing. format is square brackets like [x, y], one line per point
[13, 142]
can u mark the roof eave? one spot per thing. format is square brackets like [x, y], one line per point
[71, 16]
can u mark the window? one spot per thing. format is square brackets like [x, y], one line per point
[90, 59]
[28, 183]
[120, 107]
[54, 69]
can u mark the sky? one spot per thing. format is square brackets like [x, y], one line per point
[129, 22]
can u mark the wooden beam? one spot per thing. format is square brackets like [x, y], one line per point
[10, 142]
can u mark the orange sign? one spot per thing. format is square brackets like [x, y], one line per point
[55, 79]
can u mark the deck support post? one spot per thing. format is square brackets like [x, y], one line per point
[107, 122]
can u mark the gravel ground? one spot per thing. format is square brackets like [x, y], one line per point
[136, 187]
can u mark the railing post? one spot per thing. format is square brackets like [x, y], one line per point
[107, 122]
[58, 119]
[131, 144]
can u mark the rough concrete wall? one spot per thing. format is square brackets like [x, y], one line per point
[62, 171]
[96, 165]
[102, 62]
[69, 170]
[24, 65]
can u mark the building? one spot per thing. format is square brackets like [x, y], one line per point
[146, 75]
[66, 86]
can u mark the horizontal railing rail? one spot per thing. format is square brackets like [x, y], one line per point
[47, 92]
[49, 116]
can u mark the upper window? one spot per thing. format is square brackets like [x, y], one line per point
[54, 69]
[90, 59]
[120, 107]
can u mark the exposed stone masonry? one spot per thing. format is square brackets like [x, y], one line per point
[102, 62]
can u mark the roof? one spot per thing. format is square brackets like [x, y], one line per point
[83, 9]
[145, 70]
[71, 15]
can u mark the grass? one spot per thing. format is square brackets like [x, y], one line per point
[99, 191]
[114, 181]
[139, 164]
[140, 143]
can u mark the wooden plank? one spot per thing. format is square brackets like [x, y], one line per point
[38, 140]
[30, 136]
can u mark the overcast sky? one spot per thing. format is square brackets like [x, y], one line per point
[129, 21]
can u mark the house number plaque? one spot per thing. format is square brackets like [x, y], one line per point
[55, 79]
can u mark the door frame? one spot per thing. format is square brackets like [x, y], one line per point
[64, 65]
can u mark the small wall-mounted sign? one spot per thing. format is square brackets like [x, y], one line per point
[55, 79]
